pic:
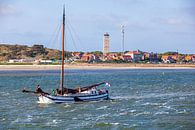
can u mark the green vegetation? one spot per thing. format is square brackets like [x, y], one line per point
[170, 53]
[8, 52]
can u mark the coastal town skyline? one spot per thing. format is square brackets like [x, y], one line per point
[149, 26]
[38, 54]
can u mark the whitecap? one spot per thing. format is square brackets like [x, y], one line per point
[67, 105]
[161, 113]
[170, 108]
[29, 118]
[72, 110]
[116, 123]
[152, 104]
[20, 120]
[125, 124]
[134, 125]
[142, 113]
[182, 112]
[182, 98]
[102, 117]
[123, 113]
[102, 108]
[132, 111]
[5, 93]
[53, 122]
[145, 104]
[16, 121]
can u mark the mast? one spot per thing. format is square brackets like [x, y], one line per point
[62, 67]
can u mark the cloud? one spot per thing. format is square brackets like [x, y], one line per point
[6, 8]
[111, 19]
[190, 10]
[128, 2]
[172, 21]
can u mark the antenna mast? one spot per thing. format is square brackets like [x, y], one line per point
[123, 38]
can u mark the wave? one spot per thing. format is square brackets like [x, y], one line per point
[154, 95]
[102, 108]
[4, 93]
[53, 122]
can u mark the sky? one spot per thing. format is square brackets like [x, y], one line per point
[150, 25]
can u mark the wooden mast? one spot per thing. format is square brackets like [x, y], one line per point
[62, 69]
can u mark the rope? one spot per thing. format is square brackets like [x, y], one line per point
[71, 28]
[54, 37]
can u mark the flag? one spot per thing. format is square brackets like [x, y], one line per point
[107, 84]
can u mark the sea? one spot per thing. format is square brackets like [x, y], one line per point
[141, 99]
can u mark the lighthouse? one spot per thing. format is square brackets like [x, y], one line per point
[106, 42]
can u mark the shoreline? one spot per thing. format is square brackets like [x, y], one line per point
[87, 66]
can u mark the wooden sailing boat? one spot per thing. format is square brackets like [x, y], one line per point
[64, 95]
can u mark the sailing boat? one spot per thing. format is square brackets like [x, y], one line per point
[65, 95]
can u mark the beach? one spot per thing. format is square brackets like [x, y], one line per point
[98, 66]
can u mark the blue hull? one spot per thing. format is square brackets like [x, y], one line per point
[72, 98]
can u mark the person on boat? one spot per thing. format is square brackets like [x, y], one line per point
[79, 89]
[53, 92]
[57, 92]
[39, 90]
[102, 91]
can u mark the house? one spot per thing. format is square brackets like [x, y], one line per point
[45, 61]
[146, 56]
[14, 61]
[38, 49]
[127, 58]
[30, 60]
[112, 56]
[188, 58]
[175, 57]
[193, 58]
[153, 57]
[135, 55]
[77, 55]
[89, 57]
[86, 57]
[167, 59]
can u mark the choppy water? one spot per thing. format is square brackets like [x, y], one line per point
[144, 99]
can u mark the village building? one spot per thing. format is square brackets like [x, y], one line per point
[168, 59]
[112, 56]
[76, 56]
[189, 58]
[29, 60]
[87, 57]
[127, 58]
[153, 57]
[38, 49]
[193, 58]
[135, 55]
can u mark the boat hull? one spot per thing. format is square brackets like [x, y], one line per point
[72, 98]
